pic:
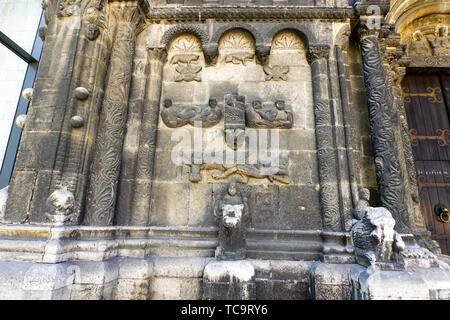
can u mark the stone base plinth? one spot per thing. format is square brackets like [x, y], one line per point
[410, 284]
[229, 280]
[43, 262]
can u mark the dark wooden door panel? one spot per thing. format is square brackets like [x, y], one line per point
[426, 100]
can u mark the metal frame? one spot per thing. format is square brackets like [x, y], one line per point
[22, 107]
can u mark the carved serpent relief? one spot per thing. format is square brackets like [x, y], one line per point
[387, 166]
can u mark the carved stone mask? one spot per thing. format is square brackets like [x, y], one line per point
[93, 31]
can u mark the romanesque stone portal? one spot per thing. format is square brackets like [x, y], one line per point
[217, 150]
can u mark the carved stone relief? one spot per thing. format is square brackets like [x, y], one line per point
[237, 47]
[68, 7]
[269, 116]
[375, 239]
[429, 46]
[96, 20]
[245, 171]
[185, 52]
[276, 73]
[207, 116]
[231, 214]
[234, 119]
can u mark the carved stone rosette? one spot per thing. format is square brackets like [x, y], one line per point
[387, 165]
[105, 169]
[329, 192]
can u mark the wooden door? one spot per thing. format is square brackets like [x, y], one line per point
[427, 100]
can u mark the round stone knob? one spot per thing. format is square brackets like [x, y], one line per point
[81, 93]
[77, 121]
[28, 94]
[21, 120]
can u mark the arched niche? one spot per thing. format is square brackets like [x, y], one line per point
[237, 47]
[288, 49]
[185, 59]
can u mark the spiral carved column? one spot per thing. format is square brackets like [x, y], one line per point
[105, 169]
[389, 176]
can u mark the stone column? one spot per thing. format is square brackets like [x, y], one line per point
[147, 144]
[105, 169]
[395, 63]
[389, 175]
[329, 192]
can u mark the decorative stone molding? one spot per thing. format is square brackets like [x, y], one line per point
[243, 12]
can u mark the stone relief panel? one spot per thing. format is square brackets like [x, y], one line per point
[429, 46]
[237, 47]
[184, 55]
[175, 116]
[280, 108]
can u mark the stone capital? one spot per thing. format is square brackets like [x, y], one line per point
[316, 52]
[157, 53]
[127, 12]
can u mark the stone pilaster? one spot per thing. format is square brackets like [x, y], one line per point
[46, 128]
[329, 192]
[105, 169]
[147, 144]
[81, 118]
[388, 168]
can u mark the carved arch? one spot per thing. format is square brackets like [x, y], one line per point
[343, 37]
[180, 29]
[245, 26]
[302, 31]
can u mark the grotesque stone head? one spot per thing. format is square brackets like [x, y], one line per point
[257, 104]
[93, 31]
[280, 104]
[167, 103]
[364, 194]
[417, 36]
[442, 31]
[213, 103]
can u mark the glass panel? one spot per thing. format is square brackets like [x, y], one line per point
[12, 74]
[19, 20]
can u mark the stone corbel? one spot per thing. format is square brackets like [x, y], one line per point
[211, 52]
[262, 53]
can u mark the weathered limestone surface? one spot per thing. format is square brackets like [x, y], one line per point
[120, 190]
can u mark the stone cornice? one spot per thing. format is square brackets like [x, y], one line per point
[244, 12]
